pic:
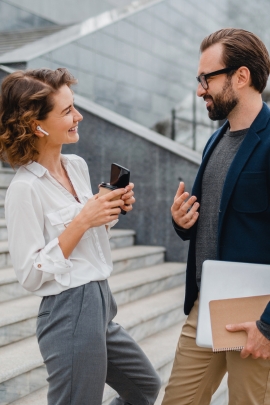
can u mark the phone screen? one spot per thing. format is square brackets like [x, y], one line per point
[119, 176]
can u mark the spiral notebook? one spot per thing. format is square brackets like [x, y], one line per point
[223, 280]
[234, 310]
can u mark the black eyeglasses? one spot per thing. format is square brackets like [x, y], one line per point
[203, 77]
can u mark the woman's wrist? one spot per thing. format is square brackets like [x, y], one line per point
[80, 223]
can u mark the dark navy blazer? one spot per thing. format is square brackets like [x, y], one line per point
[244, 215]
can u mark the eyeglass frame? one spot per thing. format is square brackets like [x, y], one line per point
[216, 73]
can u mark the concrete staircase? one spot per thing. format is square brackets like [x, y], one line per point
[149, 293]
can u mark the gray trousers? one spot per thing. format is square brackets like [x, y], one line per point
[82, 349]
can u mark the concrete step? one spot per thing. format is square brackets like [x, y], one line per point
[3, 191]
[160, 348]
[5, 259]
[136, 284]
[3, 229]
[18, 317]
[136, 257]
[121, 238]
[2, 208]
[221, 397]
[161, 395]
[22, 370]
[152, 314]
[125, 259]
[39, 397]
[6, 175]
[9, 287]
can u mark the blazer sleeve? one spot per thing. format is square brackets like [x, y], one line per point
[184, 234]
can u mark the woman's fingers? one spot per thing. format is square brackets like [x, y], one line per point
[130, 187]
[113, 194]
[127, 208]
[128, 195]
[129, 201]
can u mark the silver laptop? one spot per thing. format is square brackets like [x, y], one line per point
[222, 280]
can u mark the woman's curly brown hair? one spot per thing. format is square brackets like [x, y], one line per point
[26, 96]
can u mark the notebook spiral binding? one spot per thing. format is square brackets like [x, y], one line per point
[229, 349]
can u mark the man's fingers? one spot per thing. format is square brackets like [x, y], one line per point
[244, 353]
[236, 327]
[192, 220]
[180, 190]
[181, 203]
[189, 204]
[178, 201]
[192, 210]
[185, 209]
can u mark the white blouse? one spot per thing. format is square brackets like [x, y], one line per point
[38, 209]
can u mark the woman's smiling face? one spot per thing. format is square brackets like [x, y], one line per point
[62, 122]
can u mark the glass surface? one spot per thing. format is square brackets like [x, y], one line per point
[119, 176]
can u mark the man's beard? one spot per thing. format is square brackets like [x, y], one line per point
[223, 103]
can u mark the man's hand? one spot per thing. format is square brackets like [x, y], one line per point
[184, 212]
[128, 198]
[257, 345]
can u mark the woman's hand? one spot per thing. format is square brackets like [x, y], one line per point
[100, 210]
[128, 198]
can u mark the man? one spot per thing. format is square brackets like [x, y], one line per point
[227, 217]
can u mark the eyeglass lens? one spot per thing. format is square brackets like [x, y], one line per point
[203, 81]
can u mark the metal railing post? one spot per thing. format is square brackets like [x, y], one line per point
[173, 124]
[194, 122]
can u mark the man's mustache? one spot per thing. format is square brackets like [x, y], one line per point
[208, 97]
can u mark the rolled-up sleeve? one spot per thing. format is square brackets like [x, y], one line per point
[35, 261]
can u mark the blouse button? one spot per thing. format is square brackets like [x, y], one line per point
[39, 266]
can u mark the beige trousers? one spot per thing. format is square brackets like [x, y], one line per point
[197, 373]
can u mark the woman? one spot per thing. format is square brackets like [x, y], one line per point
[59, 246]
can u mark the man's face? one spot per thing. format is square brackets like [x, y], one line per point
[220, 96]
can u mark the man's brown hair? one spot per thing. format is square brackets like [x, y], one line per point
[242, 48]
[27, 96]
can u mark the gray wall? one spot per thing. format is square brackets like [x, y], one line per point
[68, 11]
[15, 18]
[154, 170]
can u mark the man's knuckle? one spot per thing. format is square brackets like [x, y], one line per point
[249, 348]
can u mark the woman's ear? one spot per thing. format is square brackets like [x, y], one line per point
[38, 131]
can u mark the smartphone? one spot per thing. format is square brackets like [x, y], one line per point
[119, 178]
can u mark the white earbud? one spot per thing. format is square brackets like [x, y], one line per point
[42, 130]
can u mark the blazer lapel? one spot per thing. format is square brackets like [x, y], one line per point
[244, 152]
[246, 149]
